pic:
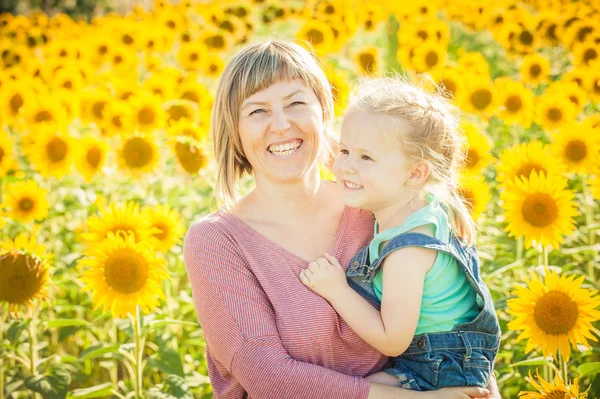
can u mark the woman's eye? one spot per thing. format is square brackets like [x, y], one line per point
[297, 103]
[257, 111]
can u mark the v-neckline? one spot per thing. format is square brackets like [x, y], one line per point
[333, 251]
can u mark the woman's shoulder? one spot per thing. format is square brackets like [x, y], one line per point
[214, 228]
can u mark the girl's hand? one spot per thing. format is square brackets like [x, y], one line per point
[326, 277]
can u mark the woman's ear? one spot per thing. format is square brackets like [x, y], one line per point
[419, 174]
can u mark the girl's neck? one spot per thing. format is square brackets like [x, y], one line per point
[396, 214]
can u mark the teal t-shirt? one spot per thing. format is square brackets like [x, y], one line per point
[448, 298]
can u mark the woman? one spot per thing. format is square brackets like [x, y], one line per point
[267, 335]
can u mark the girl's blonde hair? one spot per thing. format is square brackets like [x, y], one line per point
[434, 136]
[255, 68]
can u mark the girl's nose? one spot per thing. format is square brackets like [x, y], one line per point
[348, 166]
[280, 123]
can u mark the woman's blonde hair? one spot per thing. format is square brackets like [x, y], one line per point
[255, 68]
[434, 136]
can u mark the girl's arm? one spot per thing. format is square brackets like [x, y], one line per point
[391, 331]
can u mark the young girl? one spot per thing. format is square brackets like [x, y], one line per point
[400, 149]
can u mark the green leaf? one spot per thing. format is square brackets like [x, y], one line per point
[97, 391]
[536, 361]
[174, 387]
[52, 385]
[98, 350]
[168, 361]
[587, 369]
[165, 322]
[14, 330]
[66, 323]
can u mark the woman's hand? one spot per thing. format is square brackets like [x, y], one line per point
[326, 277]
[380, 391]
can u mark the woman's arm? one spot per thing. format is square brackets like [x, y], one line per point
[379, 391]
[391, 331]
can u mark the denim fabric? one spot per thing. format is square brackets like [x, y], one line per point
[461, 357]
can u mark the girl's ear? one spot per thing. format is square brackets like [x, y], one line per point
[419, 174]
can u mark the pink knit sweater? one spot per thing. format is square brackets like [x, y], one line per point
[267, 335]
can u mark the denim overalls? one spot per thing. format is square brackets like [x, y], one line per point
[461, 357]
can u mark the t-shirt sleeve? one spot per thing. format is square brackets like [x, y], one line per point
[239, 324]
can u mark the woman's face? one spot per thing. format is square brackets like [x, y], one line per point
[281, 130]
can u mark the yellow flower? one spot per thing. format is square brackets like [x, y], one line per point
[216, 40]
[195, 92]
[553, 112]
[550, 390]
[40, 111]
[539, 208]
[519, 161]
[117, 118]
[477, 147]
[593, 83]
[554, 314]
[52, 152]
[478, 97]
[24, 274]
[168, 222]
[190, 154]
[192, 56]
[577, 146]
[147, 113]
[160, 85]
[515, 102]
[91, 157]
[214, 65]
[14, 98]
[571, 90]
[180, 110]
[6, 152]
[475, 63]
[535, 69]
[586, 53]
[338, 79]
[452, 81]
[123, 273]
[124, 217]
[325, 173]
[139, 154]
[318, 34]
[475, 192]
[26, 201]
[367, 61]
[429, 57]
[94, 104]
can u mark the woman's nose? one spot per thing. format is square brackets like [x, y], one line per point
[280, 122]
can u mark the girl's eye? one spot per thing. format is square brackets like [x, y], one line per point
[367, 158]
[343, 151]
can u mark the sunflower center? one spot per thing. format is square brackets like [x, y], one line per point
[576, 150]
[535, 70]
[146, 116]
[526, 38]
[431, 59]
[125, 271]
[93, 157]
[43, 116]
[555, 313]
[450, 85]
[56, 149]
[16, 102]
[481, 99]
[589, 55]
[366, 61]
[540, 210]
[21, 278]
[472, 158]
[315, 36]
[98, 109]
[116, 121]
[513, 103]
[26, 204]
[554, 114]
[556, 394]
[137, 152]
[191, 96]
[215, 41]
[525, 170]
[191, 158]
[468, 197]
[422, 34]
[1, 154]
[177, 112]
[164, 231]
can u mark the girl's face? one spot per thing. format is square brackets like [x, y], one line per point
[372, 167]
[281, 130]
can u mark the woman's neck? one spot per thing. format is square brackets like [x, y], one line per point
[397, 213]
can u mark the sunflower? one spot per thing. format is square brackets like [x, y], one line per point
[214, 65]
[452, 81]
[52, 153]
[91, 157]
[515, 102]
[192, 56]
[478, 97]
[571, 90]
[40, 111]
[216, 40]
[554, 313]
[367, 61]
[6, 152]
[13, 101]
[160, 85]
[318, 34]
[26, 201]
[539, 208]
[553, 112]
[534, 69]
[123, 273]
[593, 83]
[586, 53]
[179, 110]
[190, 154]
[117, 118]
[147, 113]
[168, 221]
[338, 80]
[138, 154]
[429, 57]
[594, 185]
[94, 104]
[24, 274]
[68, 78]
[474, 62]
[475, 192]
[520, 160]
[477, 148]
[577, 146]
[186, 128]
[124, 217]
[550, 390]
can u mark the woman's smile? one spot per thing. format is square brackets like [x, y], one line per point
[285, 149]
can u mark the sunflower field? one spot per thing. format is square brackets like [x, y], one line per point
[105, 160]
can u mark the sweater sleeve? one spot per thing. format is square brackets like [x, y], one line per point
[240, 329]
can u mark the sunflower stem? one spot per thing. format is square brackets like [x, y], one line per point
[564, 369]
[545, 256]
[138, 353]
[520, 245]
[33, 345]
[589, 220]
